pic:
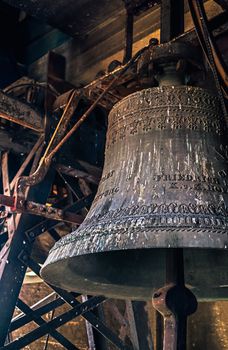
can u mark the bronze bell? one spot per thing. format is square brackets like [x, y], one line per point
[164, 185]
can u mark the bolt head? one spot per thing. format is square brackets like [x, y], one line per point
[153, 41]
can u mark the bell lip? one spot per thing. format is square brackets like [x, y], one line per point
[182, 237]
[90, 287]
[101, 240]
[82, 284]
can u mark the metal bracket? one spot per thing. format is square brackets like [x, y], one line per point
[23, 206]
[175, 303]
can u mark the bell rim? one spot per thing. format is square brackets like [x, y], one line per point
[53, 273]
[84, 246]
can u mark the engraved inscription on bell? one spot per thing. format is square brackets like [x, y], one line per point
[165, 176]
[164, 184]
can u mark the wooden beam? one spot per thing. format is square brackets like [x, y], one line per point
[20, 113]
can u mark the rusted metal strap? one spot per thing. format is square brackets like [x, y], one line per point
[39, 209]
[36, 177]
[27, 160]
[175, 302]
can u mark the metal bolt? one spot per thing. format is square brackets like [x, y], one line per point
[49, 210]
[24, 257]
[60, 212]
[30, 205]
[153, 41]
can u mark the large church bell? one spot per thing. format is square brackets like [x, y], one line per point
[164, 185]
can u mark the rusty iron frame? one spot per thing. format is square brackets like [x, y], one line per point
[31, 154]
[56, 142]
[33, 208]
[11, 269]
[175, 302]
[23, 182]
[28, 239]
[77, 308]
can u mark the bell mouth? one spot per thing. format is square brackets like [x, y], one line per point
[136, 273]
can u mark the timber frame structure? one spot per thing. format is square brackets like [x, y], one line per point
[26, 194]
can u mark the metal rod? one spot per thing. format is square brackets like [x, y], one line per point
[81, 120]
[60, 124]
[175, 266]
[176, 324]
[77, 174]
[91, 108]
[159, 331]
[27, 161]
[5, 174]
[6, 190]
[202, 29]
[175, 302]
[39, 174]
[38, 209]
[210, 50]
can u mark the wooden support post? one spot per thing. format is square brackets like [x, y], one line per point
[172, 19]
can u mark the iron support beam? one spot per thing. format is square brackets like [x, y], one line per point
[90, 330]
[28, 338]
[28, 317]
[39, 209]
[175, 302]
[139, 325]
[47, 225]
[12, 270]
[96, 340]
[49, 327]
[89, 316]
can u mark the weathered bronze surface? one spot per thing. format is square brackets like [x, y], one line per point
[164, 185]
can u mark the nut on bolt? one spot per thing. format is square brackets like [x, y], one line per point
[41, 208]
[49, 210]
[25, 257]
[59, 212]
[30, 205]
[31, 234]
[153, 41]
